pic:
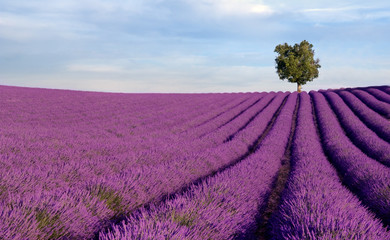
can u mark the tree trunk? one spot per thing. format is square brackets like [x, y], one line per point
[299, 87]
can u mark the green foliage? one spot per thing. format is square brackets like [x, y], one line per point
[296, 63]
[3, 192]
[50, 224]
[113, 200]
[185, 219]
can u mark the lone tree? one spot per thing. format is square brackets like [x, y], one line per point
[296, 63]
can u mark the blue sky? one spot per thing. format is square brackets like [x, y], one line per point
[189, 45]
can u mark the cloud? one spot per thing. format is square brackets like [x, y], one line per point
[348, 13]
[15, 26]
[225, 8]
[95, 68]
[328, 10]
[380, 14]
[236, 7]
[76, 5]
[262, 9]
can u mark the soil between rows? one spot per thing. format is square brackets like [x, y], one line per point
[273, 202]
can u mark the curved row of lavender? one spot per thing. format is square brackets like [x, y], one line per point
[223, 206]
[72, 162]
[385, 89]
[365, 176]
[372, 119]
[379, 106]
[230, 127]
[380, 95]
[315, 204]
[363, 137]
[224, 118]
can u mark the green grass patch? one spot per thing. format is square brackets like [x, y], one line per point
[113, 200]
[49, 224]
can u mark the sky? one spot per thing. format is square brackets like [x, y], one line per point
[189, 46]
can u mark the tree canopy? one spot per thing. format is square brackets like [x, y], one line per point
[296, 63]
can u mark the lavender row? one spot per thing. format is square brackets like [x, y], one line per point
[358, 132]
[385, 89]
[224, 118]
[363, 175]
[372, 119]
[218, 112]
[238, 124]
[222, 207]
[375, 104]
[207, 114]
[381, 95]
[315, 205]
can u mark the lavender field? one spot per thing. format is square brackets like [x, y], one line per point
[90, 165]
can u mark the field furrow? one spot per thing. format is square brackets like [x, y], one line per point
[273, 201]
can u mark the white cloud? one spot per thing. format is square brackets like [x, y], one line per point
[341, 9]
[28, 27]
[17, 21]
[262, 9]
[378, 15]
[95, 68]
[344, 14]
[77, 5]
[233, 7]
